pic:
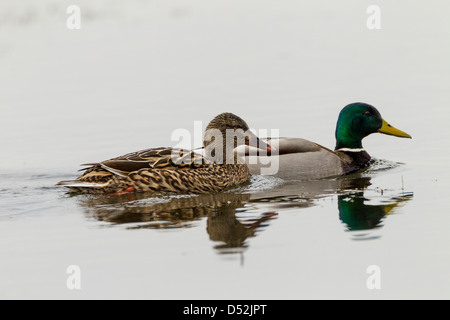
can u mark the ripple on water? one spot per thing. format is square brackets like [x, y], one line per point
[376, 165]
[262, 183]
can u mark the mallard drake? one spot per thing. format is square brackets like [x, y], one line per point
[300, 159]
[174, 169]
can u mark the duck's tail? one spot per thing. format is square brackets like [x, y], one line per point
[94, 177]
[81, 184]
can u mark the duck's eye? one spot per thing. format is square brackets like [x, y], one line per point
[367, 113]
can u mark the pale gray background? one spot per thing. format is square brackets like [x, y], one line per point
[137, 70]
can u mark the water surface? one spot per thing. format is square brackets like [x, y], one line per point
[135, 73]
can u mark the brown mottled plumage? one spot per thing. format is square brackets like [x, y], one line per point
[175, 170]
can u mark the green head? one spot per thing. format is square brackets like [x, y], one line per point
[358, 120]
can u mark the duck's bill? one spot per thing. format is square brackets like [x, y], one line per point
[386, 128]
[265, 146]
[256, 142]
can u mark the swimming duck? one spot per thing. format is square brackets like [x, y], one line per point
[300, 159]
[174, 169]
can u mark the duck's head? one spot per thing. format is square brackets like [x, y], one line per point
[358, 120]
[226, 132]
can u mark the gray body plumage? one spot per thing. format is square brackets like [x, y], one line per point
[300, 159]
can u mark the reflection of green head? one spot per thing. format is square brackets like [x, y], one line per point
[358, 216]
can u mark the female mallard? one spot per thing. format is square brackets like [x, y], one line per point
[173, 169]
[301, 159]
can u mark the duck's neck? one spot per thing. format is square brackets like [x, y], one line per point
[220, 151]
[347, 139]
[348, 144]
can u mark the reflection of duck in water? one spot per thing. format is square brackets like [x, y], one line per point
[300, 194]
[144, 210]
[147, 210]
[357, 215]
[352, 194]
[223, 226]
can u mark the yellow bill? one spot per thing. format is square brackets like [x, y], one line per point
[386, 128]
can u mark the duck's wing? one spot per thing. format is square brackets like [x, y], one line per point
[281, 146]
[155, 158]
[298, 159]
[113, 175]
[293, 145]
